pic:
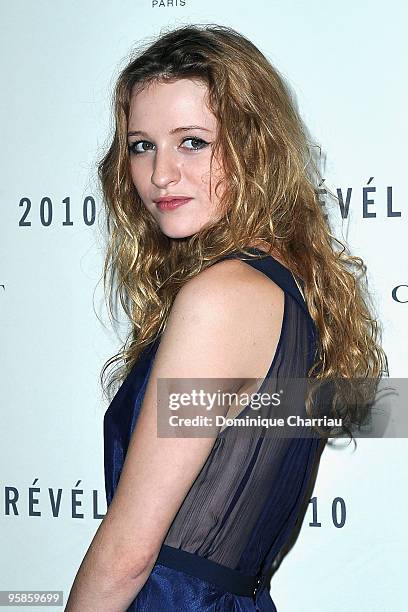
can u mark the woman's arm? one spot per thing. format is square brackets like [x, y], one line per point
[213, 331]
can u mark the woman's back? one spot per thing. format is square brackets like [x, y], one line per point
[247, 500]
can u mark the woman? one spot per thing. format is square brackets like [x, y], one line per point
[227, 270]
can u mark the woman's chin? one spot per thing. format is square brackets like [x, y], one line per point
[178, 232]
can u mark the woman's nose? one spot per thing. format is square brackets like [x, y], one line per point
[166, 169]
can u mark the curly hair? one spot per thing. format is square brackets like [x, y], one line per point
[272, 179]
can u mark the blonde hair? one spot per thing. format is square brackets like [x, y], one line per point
[271, 195]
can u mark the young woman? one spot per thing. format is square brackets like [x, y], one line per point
[227, 270]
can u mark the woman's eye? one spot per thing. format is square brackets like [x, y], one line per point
[140, 146]
[133, 146]
[201, 143]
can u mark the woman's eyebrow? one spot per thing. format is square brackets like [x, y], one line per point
[174, 131]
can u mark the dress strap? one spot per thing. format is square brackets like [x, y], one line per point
[299, 287]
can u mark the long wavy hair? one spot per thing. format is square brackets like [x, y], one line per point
[272, 182]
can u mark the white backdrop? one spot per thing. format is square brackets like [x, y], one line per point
[58, 64]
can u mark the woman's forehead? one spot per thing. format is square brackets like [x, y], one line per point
[176, 104]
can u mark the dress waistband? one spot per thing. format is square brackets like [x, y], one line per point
[200, 567]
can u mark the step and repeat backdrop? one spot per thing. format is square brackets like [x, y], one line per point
[345, 64]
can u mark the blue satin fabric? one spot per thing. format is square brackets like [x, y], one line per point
[169, 590]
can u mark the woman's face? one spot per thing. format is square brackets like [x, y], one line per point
[170, 133]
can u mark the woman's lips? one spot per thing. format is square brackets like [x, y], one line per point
[171, 204]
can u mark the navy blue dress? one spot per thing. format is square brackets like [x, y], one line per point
[250, 496]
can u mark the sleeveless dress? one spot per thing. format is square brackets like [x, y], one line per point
[248, 500]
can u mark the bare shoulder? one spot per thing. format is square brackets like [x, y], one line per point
[228, 274]
[232, 286]
[236, 307]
